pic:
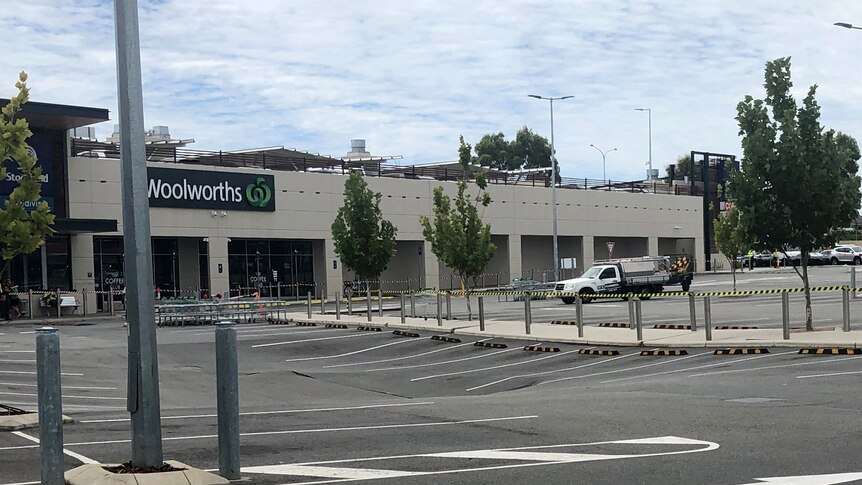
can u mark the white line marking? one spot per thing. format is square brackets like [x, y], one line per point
[264, 413]
[347, 474]
[482, 369]
[82, 407]
[5, 361]
[301, 431]
[430, 364]
[27, 332]
[369, 334]
[830, 374]
[240, 328]
[29, 373]
[321, 357]
[22, 483]
[444, 349]
[16, 351]
[775, 366]
[77, 388]
[64, 396]
[726, 362]
[623, 370]
[598, 362]
[79, 457]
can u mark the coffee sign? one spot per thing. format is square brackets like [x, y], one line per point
[199, 189]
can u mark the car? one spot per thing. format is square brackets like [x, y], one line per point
[846, 254]
[819, 257]
[763, 258]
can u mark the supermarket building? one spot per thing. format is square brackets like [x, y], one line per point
[259, 220]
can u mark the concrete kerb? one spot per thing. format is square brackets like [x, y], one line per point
[93, 474]
[25, 421]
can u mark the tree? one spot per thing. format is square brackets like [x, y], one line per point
[494, 151]
[730, 238]
[21, 231]
[364, 241]
[527, 150]
[457, 234]
[799, 184]
[680, 169]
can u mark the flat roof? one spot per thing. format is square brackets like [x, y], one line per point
[59, 116]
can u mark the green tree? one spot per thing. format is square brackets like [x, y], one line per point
[457, 234]
[681, 169]
[730, 238]
[21, 231]
[494, 151]
[364, 241]
[530, 150]
[798, 184]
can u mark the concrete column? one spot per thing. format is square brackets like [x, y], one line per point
[219, 282]
[431, 267]
[700, 257]
[82, 268]
[652, 246]
[189, 264]
[589, 253]
[515, 259]
[334, 280]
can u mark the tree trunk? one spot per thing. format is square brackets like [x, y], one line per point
[803, 260]
[466, 293]
[733, 272]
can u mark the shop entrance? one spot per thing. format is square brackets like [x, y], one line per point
[270, 267]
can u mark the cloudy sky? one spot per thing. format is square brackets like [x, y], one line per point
[411, 76]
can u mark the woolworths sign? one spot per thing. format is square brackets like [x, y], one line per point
[198, 189]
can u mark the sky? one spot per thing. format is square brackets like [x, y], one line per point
[410, 77]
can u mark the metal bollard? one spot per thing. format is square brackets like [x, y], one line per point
[579, 312]
[853, 282]
[50, 405]
[448, 305]
[845, 305]
[403, 310]
[323, 304]
[692, 312]
[227, 400]
[349, 305]
[110, 302]
[368, 303]
[84, 301]
[29, 303]
[278, 290]
[481, 314]
[707, 318]
[59, 307]
[631, 312]
[528, 314]
[439, 311]
[639, 320]
[785, 315]
[308, 303]
[337, 306]
[412, 305]
[379, 303]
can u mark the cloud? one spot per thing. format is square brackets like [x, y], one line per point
[411, 76]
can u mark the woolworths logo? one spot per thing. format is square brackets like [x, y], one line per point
[258, 194]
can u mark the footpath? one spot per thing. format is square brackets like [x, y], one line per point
[832, 337]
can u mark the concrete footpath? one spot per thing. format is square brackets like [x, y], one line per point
[824, 336]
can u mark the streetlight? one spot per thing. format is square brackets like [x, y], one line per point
[846, 25]
[554, 183]
[649, 113]
[604, 172]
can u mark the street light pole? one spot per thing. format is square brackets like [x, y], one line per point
[604, 153]
[553, 182]
[846, 25]
[649, 114]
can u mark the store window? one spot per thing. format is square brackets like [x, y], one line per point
[270, 267]
[49, 267]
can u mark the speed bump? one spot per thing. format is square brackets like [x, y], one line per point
[405, 334]
[663, 353]
[492, 345]
[443, 338]
[564, 322]
[541, 348]
[336, 325]
[598, 352]
[614, 325]
[669, 326]
[831, 351]
[742, 351]
[369, 329]
[306, 324]
[734, 327]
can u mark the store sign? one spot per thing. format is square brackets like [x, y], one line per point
[199, 189]
[39, 146]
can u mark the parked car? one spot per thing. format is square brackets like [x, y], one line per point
[763, 258]
[846, 254]
[819, 257]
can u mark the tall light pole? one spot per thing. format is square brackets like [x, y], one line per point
[554, 182]
[604, 153]
[846, 25]
[649, 113]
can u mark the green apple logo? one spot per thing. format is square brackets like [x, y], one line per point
[258, 194]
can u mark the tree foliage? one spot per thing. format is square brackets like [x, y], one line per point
[730, 238]
[21, 231]
[680, 169]
[799, 184]
[526, 150]
[364, 241]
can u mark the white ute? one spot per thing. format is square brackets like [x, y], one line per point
[627, 276]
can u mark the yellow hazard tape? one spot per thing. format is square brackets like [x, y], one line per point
[571, 294]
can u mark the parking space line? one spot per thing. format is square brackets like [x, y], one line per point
[288, 342]
[79, 457]
[444, 349]
[830, 374]
[240, 328]
[82, 407]
[274, 333]
[286, 411]
[482, 369]
[17, 351]
[31, 373]
[665, 362]
[360, 351]
[724, 362]
[77, 388]
[555, 371]
[431, 364]
[842, 359]
[4, 393]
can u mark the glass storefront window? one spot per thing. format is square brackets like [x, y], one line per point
[251, 263]
[26, 271]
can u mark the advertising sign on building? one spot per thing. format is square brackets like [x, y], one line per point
[199, 189]
[40, 147]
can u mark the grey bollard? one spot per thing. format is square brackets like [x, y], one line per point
[448, 305]
[323, 304]
[50, 405]
[853, 282]
[692, 312]
[59, 307]
[412, 305]
[403, 310]
[707, 318]
[439, 311]
[785, 316]
[845, 306]
[278, 290]
[639, 320]
[308, 303]
[579, 313]
[29, 303]
[337, 306]
[227, 400]
[368, 303]
[481, 314]
[349, 305]
[84, 301]
[379, 303]
[631, 312]
[528, 314]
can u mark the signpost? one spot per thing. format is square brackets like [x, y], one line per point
[611, 245]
